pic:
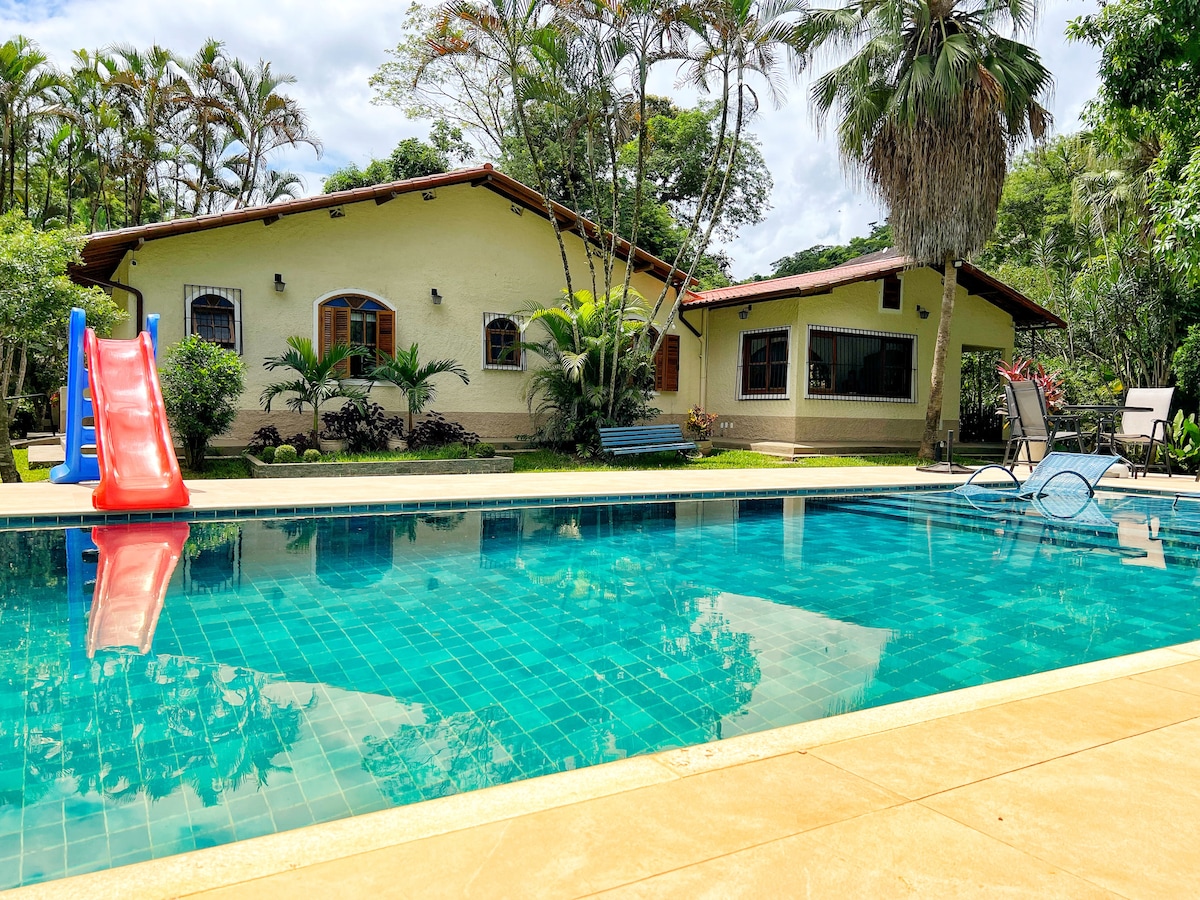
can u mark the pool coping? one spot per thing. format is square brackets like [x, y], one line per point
[425, 494]
[261, 857]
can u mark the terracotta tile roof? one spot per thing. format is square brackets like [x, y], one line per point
[871, 267]
[103, 251]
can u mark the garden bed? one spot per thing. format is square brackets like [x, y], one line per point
[470, 466]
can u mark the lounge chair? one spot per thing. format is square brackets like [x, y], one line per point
[1057, 473]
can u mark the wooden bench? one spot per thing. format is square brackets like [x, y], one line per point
[644, 439]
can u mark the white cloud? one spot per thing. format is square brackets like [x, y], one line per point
[332, 49]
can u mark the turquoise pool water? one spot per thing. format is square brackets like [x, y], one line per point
[304, 670]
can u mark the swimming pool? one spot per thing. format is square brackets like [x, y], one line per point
[302, 670]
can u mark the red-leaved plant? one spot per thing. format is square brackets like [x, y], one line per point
[1024, 370]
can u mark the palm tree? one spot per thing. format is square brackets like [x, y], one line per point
[571, 390]
[415, 381]
[27, 92]
[930, 104]
[319, 378]
[153, 90]
[263, 120]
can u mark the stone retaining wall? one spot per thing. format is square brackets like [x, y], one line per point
[260, 469]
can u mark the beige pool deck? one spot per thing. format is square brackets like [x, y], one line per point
[1080, 782]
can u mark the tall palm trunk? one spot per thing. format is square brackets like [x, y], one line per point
[937, 379]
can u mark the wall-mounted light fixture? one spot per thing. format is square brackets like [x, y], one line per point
[922, 312]
[437, 298]
[516, 209]
[336, 212]
[428, 195]
[744, 313]
[958, 263]
[279, 285]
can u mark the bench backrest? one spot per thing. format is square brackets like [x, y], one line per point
[640, 436]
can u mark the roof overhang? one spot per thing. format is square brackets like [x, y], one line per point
[104, 251]
[1026, 314]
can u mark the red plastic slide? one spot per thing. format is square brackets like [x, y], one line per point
[138, 469]
[132, 573]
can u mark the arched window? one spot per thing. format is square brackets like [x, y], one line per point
[215, 314]
[501, 342]
[359, 322]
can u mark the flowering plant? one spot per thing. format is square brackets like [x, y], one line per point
[1050, 383]
[699, 423]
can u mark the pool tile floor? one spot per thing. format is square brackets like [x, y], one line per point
[1077, 783]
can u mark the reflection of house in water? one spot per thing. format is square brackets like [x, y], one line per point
[355, 550]
[212, 560]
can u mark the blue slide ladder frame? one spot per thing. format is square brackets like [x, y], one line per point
[80, 464]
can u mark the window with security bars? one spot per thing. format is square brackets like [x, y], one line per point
[214, 313]
[861, 365]
[764, 365]
[502, 342]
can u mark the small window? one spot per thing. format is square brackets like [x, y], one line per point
[890, 293]
[215, 314]
[860, 365]
[764, 364]
[359, 322]
[502, 342]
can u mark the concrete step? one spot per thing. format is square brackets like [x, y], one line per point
[45, 456]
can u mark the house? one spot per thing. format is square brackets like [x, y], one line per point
[450, 261]
[843, 356]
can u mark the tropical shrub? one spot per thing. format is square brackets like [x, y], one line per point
[286, 453]
[267, 436]
[201, 381]
[579, 390]
[435, 431]
[311, 456]
[1186, 364]
[365, 427]
[700, 424]
[484, 451]
[1050, 383]
[1184, 447]
[415, 381]
[267, 454]
[318, 377]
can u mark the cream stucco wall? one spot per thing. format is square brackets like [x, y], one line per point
[467, 243]
[977, 324]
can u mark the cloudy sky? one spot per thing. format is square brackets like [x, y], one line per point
[332, 49]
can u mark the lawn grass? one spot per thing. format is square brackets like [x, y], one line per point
[221, 467]
[28, 474]
[549, 461]
[218, 467]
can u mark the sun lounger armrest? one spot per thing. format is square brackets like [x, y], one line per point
[978, 472]
[1043, 492]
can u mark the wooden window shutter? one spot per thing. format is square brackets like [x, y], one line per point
[666, 364]
[671, 358]
[341, 334]
[385, 335]
[326, 334]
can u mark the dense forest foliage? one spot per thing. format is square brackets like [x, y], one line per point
[126, 135]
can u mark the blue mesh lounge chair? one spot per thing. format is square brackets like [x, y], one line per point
[1057, 473]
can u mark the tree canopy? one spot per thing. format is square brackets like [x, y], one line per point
[826, 256]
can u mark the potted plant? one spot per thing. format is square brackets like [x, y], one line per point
[699, 426]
